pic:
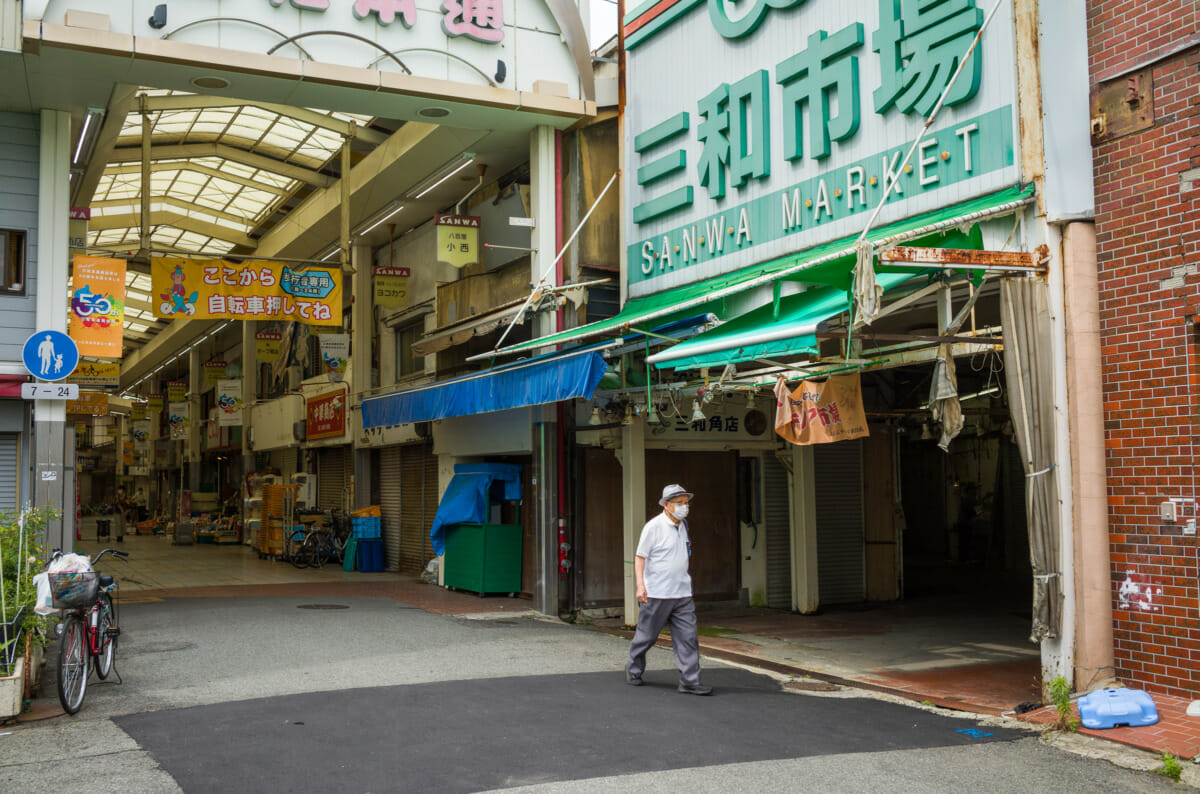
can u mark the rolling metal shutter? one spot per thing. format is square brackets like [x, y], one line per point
[390, 504]
[840, 563]
[285, 460]
[9, 465]
[331, 478]
[777, 523]
[418, 503]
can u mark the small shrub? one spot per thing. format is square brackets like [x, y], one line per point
[1170, 767]
[1060, 696]
[21, 557]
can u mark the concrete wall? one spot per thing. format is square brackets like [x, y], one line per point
[1148, 250]
[18, 211]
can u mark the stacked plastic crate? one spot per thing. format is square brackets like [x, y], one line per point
[366, 526]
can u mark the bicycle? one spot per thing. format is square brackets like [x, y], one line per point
[323, 545]
[88, 632]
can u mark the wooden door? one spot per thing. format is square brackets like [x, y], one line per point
[879, 519]
[599, 565]
[713, 520]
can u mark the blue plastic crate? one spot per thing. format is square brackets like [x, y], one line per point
[1108, 708]
[367, 528]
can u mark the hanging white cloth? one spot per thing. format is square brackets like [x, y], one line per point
[943, 397]
[868, 295]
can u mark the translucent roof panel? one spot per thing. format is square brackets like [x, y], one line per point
[220, 201]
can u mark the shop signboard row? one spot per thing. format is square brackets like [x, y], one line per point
[786, 135]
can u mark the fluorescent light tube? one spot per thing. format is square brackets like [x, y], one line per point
[442, 174]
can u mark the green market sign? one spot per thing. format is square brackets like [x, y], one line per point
[797, 146]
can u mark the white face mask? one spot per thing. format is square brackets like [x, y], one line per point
[679, 511]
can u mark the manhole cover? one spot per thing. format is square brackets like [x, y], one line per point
[323, 606]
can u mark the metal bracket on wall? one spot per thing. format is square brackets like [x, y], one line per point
[1122, 105]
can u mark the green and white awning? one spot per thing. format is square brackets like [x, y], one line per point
[830, 263]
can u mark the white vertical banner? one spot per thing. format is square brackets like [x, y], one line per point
[180, 420]
[229, 403]
[335, 352]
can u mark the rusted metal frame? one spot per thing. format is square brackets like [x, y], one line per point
[838, 333]
[960, 258]
[907, 300]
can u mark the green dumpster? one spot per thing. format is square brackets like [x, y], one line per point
[483, 558]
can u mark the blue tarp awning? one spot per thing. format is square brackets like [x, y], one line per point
[545, 379]
[466, 498]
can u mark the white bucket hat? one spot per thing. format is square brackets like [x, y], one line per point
[671, 491]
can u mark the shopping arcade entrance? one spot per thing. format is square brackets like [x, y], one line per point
[407, 146]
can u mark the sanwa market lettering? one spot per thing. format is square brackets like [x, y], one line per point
[480, 20]
[817, 91]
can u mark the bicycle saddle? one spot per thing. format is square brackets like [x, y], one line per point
[105, 580]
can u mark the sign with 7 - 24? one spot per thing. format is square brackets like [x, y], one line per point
[50, 391]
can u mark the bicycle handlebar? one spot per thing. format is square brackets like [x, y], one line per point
[120, 555]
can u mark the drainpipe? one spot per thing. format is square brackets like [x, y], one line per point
[565, 593]
[1093, 595]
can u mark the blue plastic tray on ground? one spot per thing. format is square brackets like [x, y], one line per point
[1109, 708]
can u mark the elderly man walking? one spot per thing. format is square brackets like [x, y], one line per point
[664, 589]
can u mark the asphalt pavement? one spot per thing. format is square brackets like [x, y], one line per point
[371, 695]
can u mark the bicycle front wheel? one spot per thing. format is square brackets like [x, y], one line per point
[314, 550]
[108, 653]
[295, 553]
[72, 664]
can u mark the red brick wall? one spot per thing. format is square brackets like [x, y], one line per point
[1148, 241]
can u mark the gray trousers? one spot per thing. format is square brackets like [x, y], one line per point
[653, 615]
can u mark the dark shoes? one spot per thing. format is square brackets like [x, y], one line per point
[631, 679]
[695, 689]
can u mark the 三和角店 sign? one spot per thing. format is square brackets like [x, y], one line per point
[325, 416]
[790, 142]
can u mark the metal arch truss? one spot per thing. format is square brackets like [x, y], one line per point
[355, 36]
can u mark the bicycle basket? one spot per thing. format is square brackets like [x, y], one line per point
[73, 588]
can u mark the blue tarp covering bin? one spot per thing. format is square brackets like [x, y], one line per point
[467, 496]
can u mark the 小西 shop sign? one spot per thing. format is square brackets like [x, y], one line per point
[457, 239]
[775, 143]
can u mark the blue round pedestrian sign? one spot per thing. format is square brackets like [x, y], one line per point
[50, 355]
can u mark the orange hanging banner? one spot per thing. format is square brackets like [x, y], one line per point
[97, 317]
[214, 289]
[821, 413]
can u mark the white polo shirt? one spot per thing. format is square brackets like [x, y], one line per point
[665, 547]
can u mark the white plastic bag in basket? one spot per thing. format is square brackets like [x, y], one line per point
[70, 563]
[45, 601]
